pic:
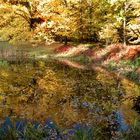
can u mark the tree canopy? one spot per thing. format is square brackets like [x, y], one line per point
[108, 21]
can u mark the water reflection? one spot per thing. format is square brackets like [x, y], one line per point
[43, 89]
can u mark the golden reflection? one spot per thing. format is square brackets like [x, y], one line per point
[132, 90]
[65, 95]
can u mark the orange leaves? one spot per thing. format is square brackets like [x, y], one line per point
[132, 52]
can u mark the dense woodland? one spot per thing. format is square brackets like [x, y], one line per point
[105, 21]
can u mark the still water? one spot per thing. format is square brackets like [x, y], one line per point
[68, 93]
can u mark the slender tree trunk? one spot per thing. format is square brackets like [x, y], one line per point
[81, 21]
[66, 40]
[66, 3]
[124, 23]
[90, 19]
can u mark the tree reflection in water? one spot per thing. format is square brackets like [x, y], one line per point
[46, 89]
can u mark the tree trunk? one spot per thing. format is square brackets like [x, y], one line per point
[81, 22]
[90, 20]
[66, 40]
[124, 23]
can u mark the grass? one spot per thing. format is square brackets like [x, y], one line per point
[112, 66]
[127, 68]
[25, 130]
[133, 64]
[133, 133]
[82, 58]
[3, 63]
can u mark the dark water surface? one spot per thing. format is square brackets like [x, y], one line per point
[67, 93]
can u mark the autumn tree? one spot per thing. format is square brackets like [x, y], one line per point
[126, 14]
[122, 22]
[103, 21]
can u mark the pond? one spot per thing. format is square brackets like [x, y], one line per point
[68, 93]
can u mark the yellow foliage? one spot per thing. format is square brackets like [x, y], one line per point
[131, 88]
